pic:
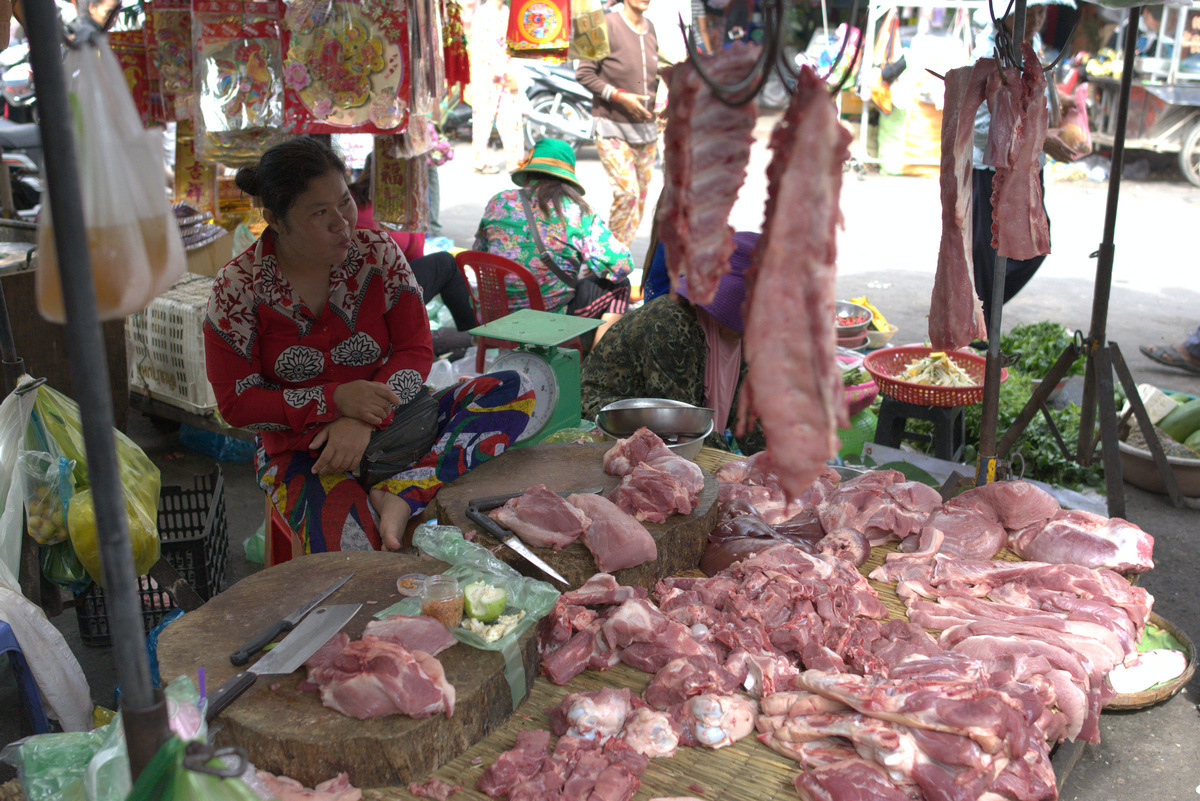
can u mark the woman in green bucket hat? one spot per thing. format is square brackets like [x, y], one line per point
[547, 227]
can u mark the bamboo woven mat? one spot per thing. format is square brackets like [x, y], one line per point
[745, 771]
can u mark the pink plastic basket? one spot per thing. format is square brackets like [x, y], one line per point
[887, 363]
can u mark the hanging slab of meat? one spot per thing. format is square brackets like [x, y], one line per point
[794, 383]
[706, 149]
[1020, 229]
[1082, 538]
[541, 518]
[955, 313]
[616, 539]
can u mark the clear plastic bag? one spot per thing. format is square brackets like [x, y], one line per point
[49, 485]
[133, 241]
[14, 422]
[471, 562]
[589, 33]
[192, 772]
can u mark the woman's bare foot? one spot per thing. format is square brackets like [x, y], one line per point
[394, 513]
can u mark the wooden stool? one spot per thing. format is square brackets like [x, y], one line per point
[949, 427]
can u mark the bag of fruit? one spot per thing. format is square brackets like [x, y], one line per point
[49, 485]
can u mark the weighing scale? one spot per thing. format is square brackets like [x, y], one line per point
[552, 372]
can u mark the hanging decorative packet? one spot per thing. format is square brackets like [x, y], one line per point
[195, 181]
[238, 64]
[589, 32]
[130, 49]
[168, 35]
[454, 47]
[539, 29]
[428, 76]
[347, 69]
[401, 187]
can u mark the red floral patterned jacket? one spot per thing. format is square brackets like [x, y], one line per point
[274, 365]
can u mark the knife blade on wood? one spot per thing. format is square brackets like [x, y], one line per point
[512, 541]
[242, 655]
[291, 652]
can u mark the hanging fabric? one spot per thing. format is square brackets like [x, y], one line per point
[130, 49]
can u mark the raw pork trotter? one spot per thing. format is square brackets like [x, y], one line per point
[795, 387]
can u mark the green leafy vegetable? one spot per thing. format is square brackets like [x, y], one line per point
[1040, 345]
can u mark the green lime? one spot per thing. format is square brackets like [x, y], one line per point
[484, 602]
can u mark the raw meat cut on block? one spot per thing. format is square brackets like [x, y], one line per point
[706, 148]
[616, 539]
[541, 518]
[795, 386]
[955, 313]
[373, 677]
[642, 445]
[416, 633]
[1082, 538]
[1020, 229]
[651, 494]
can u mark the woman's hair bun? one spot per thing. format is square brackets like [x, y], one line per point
[247, 180]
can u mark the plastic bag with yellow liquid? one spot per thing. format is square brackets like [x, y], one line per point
[134, 245]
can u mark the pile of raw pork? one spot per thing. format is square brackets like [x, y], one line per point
[797, 647]
[656, 483]
[392, 670]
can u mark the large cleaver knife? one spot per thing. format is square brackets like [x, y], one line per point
[309, 635]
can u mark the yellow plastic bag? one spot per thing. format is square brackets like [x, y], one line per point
[58, 418]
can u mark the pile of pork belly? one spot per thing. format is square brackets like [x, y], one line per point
[794, 644]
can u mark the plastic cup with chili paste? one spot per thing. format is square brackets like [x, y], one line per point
[410, 584]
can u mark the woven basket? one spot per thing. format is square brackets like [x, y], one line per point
[1161, 692]
[888, 363]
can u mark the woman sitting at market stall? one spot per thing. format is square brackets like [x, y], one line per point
[547, 227]
[436, 272]
[314, 336]
[673, 348]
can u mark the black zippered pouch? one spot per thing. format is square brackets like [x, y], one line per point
[412, 433]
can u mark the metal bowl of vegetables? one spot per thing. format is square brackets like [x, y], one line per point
[929, 377]
[851, 319]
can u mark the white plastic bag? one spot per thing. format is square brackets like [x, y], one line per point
[14, 422]
[133, 241]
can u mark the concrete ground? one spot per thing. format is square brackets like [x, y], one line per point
[888, 252]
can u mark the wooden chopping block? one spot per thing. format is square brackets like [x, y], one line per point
[681, 539]
[288, 731]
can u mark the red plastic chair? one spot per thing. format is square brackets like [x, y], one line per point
[281, 543]
[490, 295]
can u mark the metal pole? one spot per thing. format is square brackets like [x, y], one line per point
[1104, 263]
[90, 382]
[12, 366]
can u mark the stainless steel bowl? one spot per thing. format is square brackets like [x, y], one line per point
[667, 418]
[845, 308]
[686, 446]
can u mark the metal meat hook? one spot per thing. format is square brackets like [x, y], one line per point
[746, 89]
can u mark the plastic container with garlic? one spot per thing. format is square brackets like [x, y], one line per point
[500, 627]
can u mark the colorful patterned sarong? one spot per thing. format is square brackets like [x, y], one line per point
[478, 420]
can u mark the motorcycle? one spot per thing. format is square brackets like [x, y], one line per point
[559, 106]
[555, 105]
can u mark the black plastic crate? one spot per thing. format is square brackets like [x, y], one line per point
[194, 538]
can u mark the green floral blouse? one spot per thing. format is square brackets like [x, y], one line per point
[584, 240]
[657, 351]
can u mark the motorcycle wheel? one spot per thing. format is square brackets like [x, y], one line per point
[555, 106]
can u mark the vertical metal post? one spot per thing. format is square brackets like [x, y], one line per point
[1098, 334]
[146, 729]
[12, 365]
[989, 423]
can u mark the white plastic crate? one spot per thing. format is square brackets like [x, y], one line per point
[164, 346]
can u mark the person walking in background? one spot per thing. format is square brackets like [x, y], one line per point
[623, 86]
[547, 227]
[495, 96]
